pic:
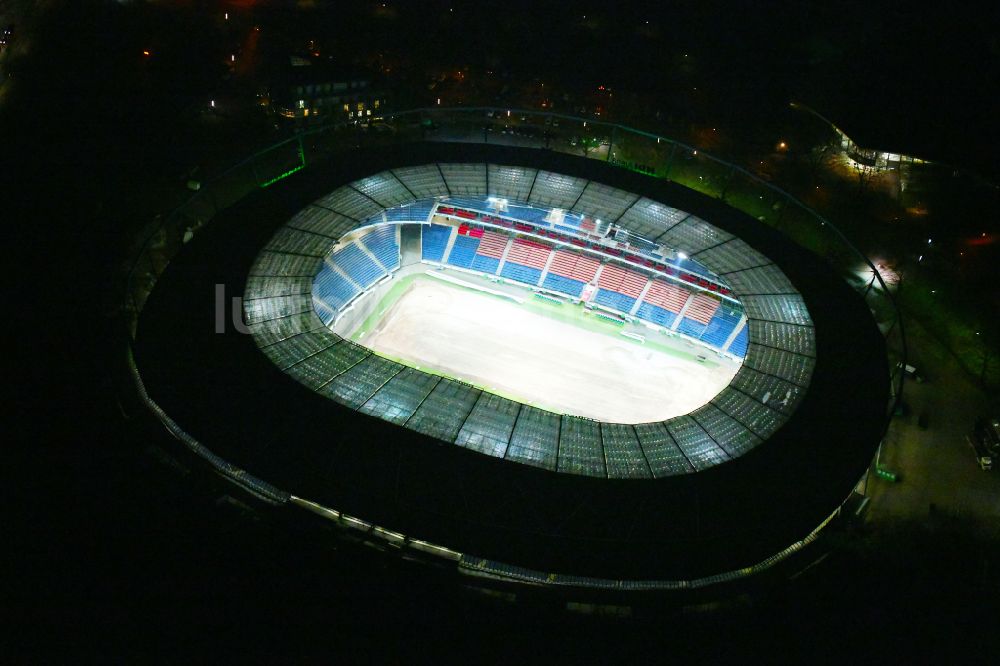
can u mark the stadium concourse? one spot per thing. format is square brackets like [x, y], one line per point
[739, 479]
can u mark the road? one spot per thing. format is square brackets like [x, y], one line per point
[936, 465]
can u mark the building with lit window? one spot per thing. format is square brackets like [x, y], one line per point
[315, 90]
[861, 151]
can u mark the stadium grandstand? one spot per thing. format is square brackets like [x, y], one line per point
[443, 467]
[672, 274]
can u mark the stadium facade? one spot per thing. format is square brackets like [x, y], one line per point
[443, 468]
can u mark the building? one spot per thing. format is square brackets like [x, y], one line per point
[310, 89]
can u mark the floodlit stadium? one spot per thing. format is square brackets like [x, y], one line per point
[540, 367]
[612, 312]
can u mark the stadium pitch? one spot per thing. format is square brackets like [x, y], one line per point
[560, 357]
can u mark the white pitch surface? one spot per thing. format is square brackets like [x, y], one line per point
[551, 364]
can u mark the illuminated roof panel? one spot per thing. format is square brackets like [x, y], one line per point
[535, 440]
[270, 332]
[731, 256]
[761, 280]
[445, 409]
[650, 218]
[580, 448]
[761, 396]
[422, 181]
[731, 434]
[294, 241]
[556, 190]
[796, 368]
[275, 264]
[697, 445]
[788, 308]
[288, 352]
[511, 182]
[266, 286]
[603, 202]
[465, 179]
[692, 235]
[791, 337]
[384, 188]
[322, 221]
[622, 452]
[661, 451]
[489, 426]
[263, 309]
[350, 203]
[358, 384]
[400, 396]
[776, 393]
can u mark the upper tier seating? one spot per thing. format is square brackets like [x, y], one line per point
[435, 239]
[740, 343]
[382, 243]
[357, 265]
[463, 251]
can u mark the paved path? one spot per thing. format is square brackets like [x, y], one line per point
[936, 465]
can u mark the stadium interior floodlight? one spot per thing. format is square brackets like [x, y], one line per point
[496, 202]
[556, 215]
[681, 255]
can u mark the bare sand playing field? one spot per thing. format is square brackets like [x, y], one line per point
[509, 349]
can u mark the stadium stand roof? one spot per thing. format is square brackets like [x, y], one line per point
[761, 397]
[235, 400]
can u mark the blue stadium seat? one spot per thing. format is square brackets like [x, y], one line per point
[739, 346]
[533, 215]
[332, 288]
[463, 251]
[418, 211]
[656, 314]
[325, 313]
[521, 273]
[720, 327]
[614, 300]
[435, 239]
[563, 284]
[485, 264]
[691, 327]
[474, 203]
[382, 243]
[357, 265]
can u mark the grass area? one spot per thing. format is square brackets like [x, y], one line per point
[943, 317]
